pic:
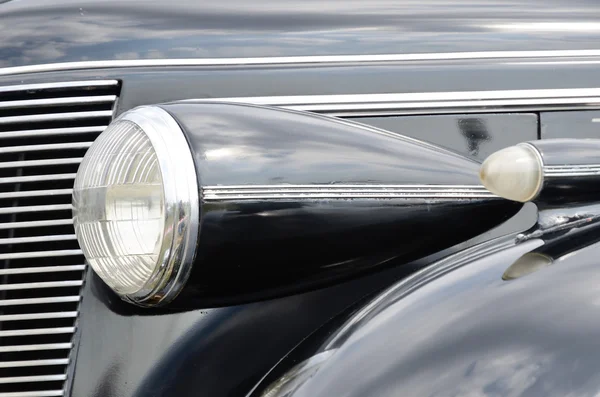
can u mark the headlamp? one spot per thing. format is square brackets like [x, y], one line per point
[135, 206]
[201, 204]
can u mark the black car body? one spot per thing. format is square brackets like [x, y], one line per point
[473, 76]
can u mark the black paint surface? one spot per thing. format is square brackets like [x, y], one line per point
[252, 249]
[568, 189]
[123, 355]
[39, 31]
[459, 329]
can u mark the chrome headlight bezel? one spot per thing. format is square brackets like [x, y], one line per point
[180, 206]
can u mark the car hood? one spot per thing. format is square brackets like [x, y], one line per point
[39, 31]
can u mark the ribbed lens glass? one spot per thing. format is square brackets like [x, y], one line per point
[119, 208]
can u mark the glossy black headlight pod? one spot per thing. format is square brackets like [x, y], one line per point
[290, 201]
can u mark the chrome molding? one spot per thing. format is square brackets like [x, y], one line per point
[37, 193]
[23, 225]
[181, 201]
[298, 60]
[33, 363]
[52, 132]
[40, 103]
[38, 301]
[47, 117]
[556, 171]
[315, 192]
[361, 105]
[45, 284]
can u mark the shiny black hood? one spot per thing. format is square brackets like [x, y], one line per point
[41, 31]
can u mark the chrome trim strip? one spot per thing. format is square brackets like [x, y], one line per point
[39, 163]
[37, 331]
[34, 363]
[430, 102]
[36, 193]
[296, 60]
[181, 200]
[52, 132]
[42, 269]
[28, 348]
[66, 101]
[342, 191]
[36, 239]
[50, 146]
[37, 316]
[36, 178]
[38, 378]
[40, 393]
[37, 254]
[21, 225]
[573, 170]
[35, 208]
[59, 85]
[341, 185]
[37, 301]
[33, 118]
[48, 284]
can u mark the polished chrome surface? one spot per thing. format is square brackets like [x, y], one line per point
[19, 225]
[62, 85]
[342, 191]
[299, 60]
[181, 204]
[43, 137]
[36, 178]
[51, 393]
[18, 379]
[24, 348]
[55, 117]
[36, 316]
[51, 131]
[36, 301]
[433, 102]
[35, 148]
[33, 363]
[39, 254]
[37, 239]
[561, 219]
[33, 103]
[39, 331]
[47, 269]
[36, 208]
[38, 163]
[571, 170]
[34, 193]
[48, 284]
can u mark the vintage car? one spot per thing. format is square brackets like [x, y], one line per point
[299, 198]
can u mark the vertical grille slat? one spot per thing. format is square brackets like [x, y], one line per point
[45, 129]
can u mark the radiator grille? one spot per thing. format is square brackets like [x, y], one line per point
[44, 132]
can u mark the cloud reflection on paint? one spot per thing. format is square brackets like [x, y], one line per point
[38, 31]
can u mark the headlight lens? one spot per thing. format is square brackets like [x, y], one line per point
[135, 206]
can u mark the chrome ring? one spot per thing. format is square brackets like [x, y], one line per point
[181, 205]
